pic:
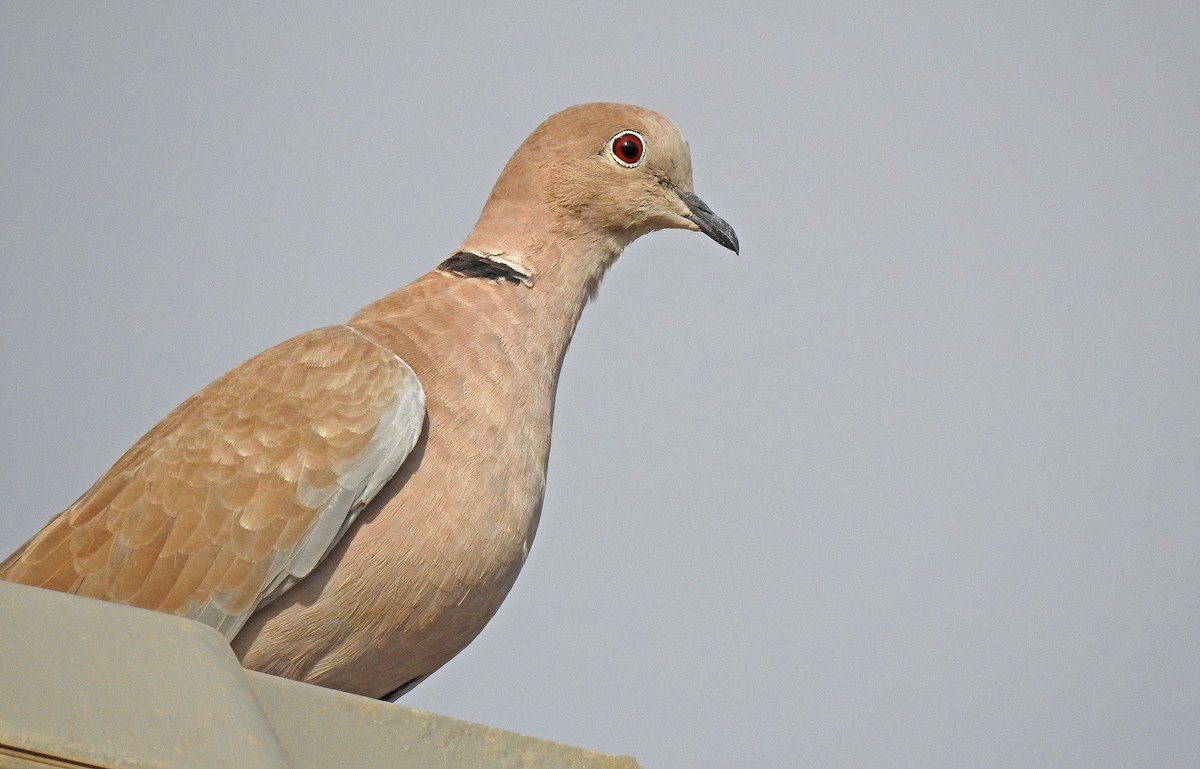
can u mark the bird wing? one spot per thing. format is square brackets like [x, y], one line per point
[241, 490]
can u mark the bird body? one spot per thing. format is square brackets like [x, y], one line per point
[442, 547]
[351, 506]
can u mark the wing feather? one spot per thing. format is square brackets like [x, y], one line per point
[240, 491]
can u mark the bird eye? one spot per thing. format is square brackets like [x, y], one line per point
[628, 148]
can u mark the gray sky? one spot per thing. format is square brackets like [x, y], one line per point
[913, 482]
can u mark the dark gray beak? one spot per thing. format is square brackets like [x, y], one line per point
[709, 223]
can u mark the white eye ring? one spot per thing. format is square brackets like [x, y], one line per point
[628, 148]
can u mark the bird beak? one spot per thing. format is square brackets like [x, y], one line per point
[709, 223]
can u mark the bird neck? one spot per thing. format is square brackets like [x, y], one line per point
[524, 305]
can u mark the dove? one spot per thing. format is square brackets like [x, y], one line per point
[351, 506]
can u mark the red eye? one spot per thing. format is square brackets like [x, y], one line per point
[628, 148]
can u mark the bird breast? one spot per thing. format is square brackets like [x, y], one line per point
[434, 554]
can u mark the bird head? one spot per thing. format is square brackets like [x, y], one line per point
[599, 176]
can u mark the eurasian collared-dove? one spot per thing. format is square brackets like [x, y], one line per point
[351, 506]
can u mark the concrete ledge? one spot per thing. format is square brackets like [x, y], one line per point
[322, 728]
[85, 683]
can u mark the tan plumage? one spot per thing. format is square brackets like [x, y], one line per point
[340, 521]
